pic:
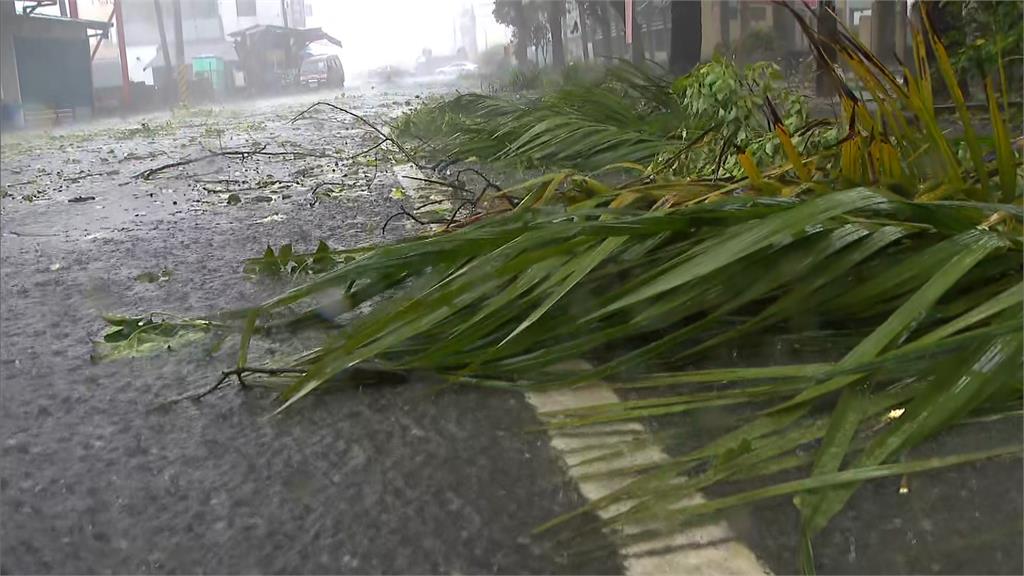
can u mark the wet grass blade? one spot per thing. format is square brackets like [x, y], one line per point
[1006, 160]
[947, 400]
[714, 255]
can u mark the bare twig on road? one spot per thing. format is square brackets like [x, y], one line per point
[447, 184]
[238, 373]
[456, 212]
[489, 184]
[402, 212]
[240, 154]
[371, 125]
[30, 234]
[367, 151]
[83, 176]
[219, 181]
[150, 172]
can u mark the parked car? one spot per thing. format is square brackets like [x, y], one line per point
[321, 71]
[456, 69]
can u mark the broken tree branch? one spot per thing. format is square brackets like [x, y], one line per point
[149, 173]
[239, 373]
[371, 125]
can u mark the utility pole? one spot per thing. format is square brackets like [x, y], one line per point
[179, 36]
[122, 52]
[163, 44]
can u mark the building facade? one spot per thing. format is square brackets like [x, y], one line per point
[240, 14]
[45, 74]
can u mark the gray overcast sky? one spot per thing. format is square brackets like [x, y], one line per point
[378, 32]
[375, 32]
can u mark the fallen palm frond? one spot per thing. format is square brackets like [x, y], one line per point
[930, 292]
[894, 248]
[725, 124]
[631, 115]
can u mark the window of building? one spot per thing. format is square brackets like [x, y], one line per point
[245, 7]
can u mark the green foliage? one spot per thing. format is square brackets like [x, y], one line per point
[625, 114]
[720, 94]
[930, 291]
[130, 336]
[747, 221]
[984, 33]
[289, 263]
[730, 100]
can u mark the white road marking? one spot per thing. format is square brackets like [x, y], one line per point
[705, 550]
[710, 549]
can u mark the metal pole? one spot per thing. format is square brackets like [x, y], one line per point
[179, 36]
[284, 15]
[163, 34]
[165, 82]
[73, 8]
[126, 89]
[179, 53]
[99, 41]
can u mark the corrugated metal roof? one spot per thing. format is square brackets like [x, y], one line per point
[93, 24]
[307, 34]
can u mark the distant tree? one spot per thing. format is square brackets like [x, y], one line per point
[513, 13]
[540, 38]
[665, 14]
[637, 52]
[584, 28]
[783, 27]
[598, 12]
[534, 23]
[555, 12]
[949, 24]
[685, 41]
[986, 32]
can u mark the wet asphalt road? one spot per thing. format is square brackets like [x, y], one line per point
[97, 477]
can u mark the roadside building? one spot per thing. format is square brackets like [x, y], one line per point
[748, 29]
[45, 74]
[271, 56]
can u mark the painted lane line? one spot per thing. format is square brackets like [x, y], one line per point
[710, 549]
